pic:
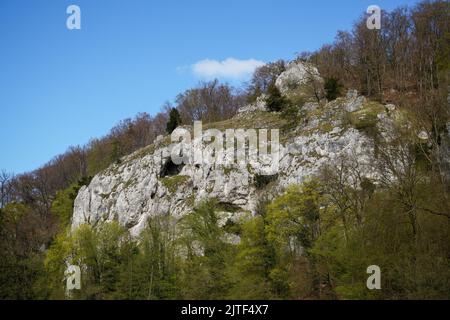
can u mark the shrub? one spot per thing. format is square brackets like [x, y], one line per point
[332, 88]
[275, 100]
[292, 113]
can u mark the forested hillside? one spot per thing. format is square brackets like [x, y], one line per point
[311, 241]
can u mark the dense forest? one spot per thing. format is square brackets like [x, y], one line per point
[315, 241]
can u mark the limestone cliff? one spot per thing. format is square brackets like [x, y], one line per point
[149, 183]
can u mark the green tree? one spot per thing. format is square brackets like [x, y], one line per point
[207, 254]
[253, 261]
[156, 267]
[332, 88]
[98, 253]
[174, 120]
[275, 100]
[56, 258]
[62, 205]
[295, 220]
[21, 259]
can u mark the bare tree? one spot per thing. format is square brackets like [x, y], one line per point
[211, 101]
[5, 188]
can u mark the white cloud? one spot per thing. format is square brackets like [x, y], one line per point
[229, 68]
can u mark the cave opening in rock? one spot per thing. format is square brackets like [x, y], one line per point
[170, 169]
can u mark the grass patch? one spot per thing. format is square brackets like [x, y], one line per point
[228, 170]
[130, 183]
[367, 117]
[256, 120]
[172, 183]
[325, 127]
[190, 201]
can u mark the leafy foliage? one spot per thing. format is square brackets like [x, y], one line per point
[62, 206]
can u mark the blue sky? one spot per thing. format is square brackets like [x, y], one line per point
[61, 87]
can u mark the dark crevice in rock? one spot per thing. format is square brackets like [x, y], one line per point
[229, 207]
[170, 169]
[261, 181]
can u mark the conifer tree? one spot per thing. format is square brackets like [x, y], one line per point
[174, 120]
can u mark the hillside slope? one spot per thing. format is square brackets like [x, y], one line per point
[148, 183]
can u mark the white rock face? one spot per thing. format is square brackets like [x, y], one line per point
[259, 105]
[354, 102]
[307, 154]
[137, 189]
[297, 74]
[148, 183]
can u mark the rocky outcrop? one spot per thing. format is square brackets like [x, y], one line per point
[297, 74]
[354, 101]
[259, 105]
[149, 182]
